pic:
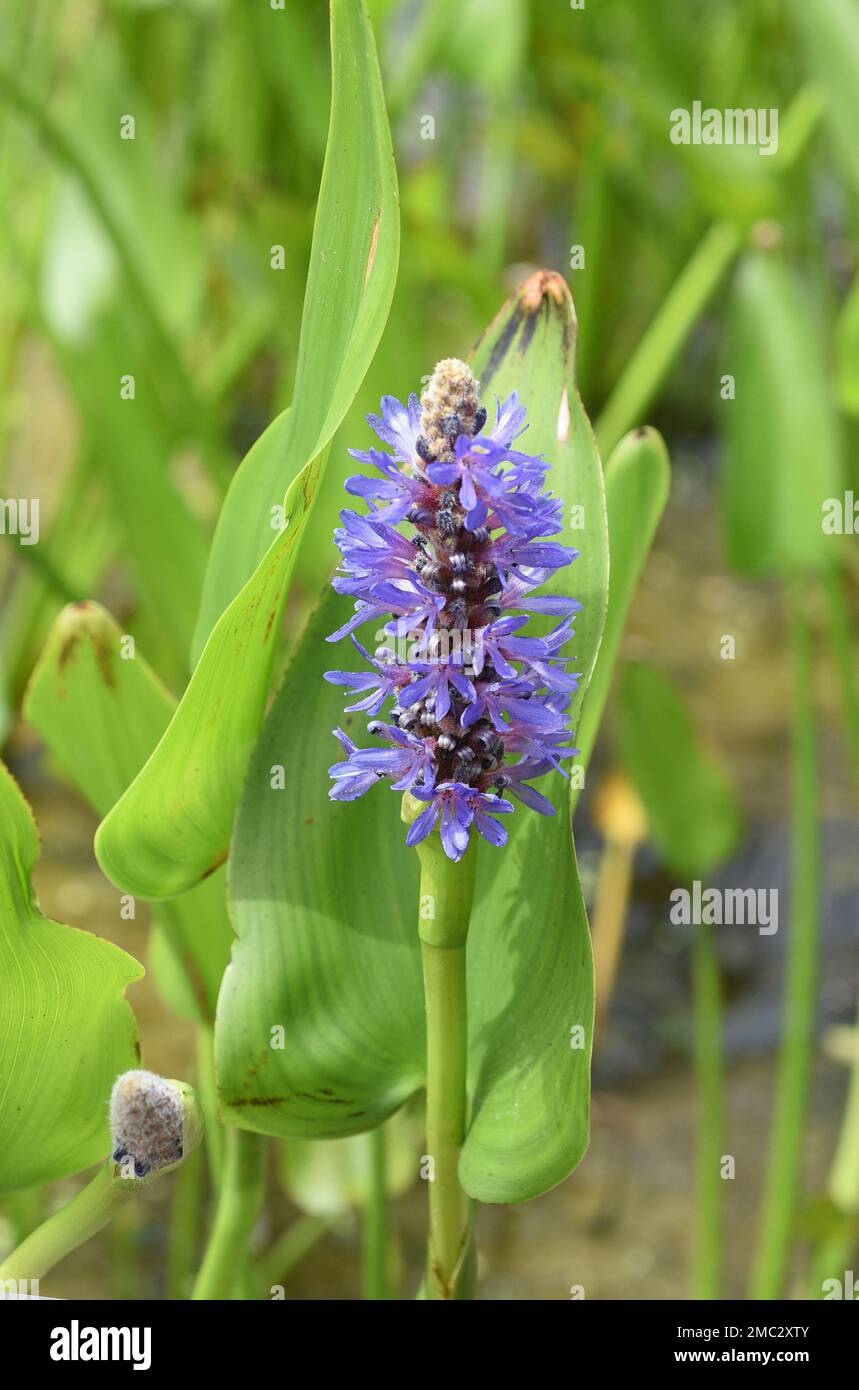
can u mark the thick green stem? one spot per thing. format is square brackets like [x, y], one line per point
[797, 1047]
[240, 1199]
[185, 1217]
[447, 890]
[86, 1215]
[709, 1071]
[836, 1253]
[377, 1235]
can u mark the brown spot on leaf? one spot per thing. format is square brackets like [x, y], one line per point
[374, 246]
[221, 859]
[257, 1100]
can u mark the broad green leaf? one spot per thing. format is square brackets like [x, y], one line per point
[783, 451]
[101, 714]
[637, 480]
[694, 816]
[325, 894]
[66, 1029]
[531, 1004]
[173, 824]
[324, 901]
[531, 990]
[828, 32]
[350, 284]
[530, 347]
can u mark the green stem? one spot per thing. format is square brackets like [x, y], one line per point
[240, 1199]
[183, 1235]
[291, 1247]
[835, 1254]
[207, 1090]
[447, 890]
[844, 648]
[663, 339]
[711, 1114]
[86, 1215]
[797, 1047]
[377, 1235]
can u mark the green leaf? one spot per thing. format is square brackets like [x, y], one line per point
[101, 715]
[531, 1005]
[325, 894]
[324, 901]
[66, 1029]
[783, 450]
[531, 990]
[350, 284]
[694, 817]
[173, 824]
[530, 347]
[637, 481]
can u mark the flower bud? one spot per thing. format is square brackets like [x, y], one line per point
[155, 1122]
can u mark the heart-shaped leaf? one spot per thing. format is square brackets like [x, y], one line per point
[101, 714]
[66, 1029]
[531, 991]
[324, 900]
[172, 826]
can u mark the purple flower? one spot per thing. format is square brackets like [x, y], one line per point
[479, 706]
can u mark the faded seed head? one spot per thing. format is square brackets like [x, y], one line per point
[154, 1122]
[449, 408]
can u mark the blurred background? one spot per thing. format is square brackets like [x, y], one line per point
[526, 135]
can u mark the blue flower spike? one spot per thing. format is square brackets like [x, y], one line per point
[478, 708]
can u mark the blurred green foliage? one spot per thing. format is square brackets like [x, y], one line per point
[522, 131]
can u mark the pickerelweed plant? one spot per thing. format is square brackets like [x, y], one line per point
[321, 1013]
[478, 708]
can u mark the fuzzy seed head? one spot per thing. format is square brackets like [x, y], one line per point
[449, 407]
[147, 1118]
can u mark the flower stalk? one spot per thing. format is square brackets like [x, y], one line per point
[84, 1216]
[240, 1200]
[447, 892]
